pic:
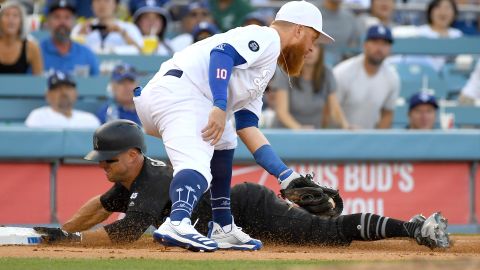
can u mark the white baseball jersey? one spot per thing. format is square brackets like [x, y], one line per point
[177, 107]
[259, 46]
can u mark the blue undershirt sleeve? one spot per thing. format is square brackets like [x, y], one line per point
[222, 60]
[245, 118]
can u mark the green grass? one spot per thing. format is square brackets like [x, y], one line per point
[120, 264]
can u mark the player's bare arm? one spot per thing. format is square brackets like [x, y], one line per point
[89, 215]
[253, 138]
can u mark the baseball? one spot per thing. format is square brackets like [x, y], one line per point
[332, 202]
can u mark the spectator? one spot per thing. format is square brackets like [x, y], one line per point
[305, 104]
[256, 18]
[367, 87]
[468, 23]
[105, 33]
[422, 111]
[380, 12]
[61, 97]
[197, 12]
[204, 30]
[229, 14]
[17, 53]
[152, 20]
[83, 8]
[440, 16]
[471, 91]
[134, 5]
[343, 26]
[123, 81]
[59, 51]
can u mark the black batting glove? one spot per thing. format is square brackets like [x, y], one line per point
[57, 235]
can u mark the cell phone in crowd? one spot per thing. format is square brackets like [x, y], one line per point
[99, 27]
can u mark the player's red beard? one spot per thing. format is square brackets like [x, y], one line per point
[291, 59]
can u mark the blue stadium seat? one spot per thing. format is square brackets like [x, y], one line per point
[145, 64]
[416, 76]
[455, 79]
[437, 46]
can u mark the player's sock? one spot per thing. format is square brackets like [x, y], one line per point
[368, 227]
[221, 167]
[186, 189]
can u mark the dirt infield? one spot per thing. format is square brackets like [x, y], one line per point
[466, 248]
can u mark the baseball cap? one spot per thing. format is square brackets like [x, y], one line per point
[304, 13]
[422, 98]
[197, 5]
[56, 4]
[149, 6]
[256, 16]
[58, 78]
[379, 32]
[124, 71]
[115, 137]
[204, 27]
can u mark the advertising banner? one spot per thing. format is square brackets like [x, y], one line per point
[398, 190]
[24, 193]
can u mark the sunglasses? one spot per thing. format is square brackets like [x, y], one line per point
[110, 161]
[198, 14]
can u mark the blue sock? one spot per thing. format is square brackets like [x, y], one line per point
[266, 157]
[221, 167]
[186, 189]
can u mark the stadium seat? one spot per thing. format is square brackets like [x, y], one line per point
[455, 80]
[145, 64]
[442, 46]
[416, 76]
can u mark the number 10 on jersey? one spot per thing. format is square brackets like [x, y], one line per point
[221, 73]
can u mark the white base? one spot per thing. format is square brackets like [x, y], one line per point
[19, 236]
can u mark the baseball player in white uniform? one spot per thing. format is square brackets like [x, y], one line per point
[190, 102]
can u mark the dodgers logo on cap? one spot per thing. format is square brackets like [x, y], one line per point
[253, 45]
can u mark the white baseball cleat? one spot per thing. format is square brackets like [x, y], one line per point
[433, 232]
[232, 237]
[183, 234]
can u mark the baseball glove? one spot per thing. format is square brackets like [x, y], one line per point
[312, 197]
[57, 235]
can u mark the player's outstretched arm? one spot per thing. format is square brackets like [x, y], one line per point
[89, 215]
[258, 145]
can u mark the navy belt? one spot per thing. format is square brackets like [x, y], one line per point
[174, 72]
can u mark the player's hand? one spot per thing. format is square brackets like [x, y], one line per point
[56, 235]
[215, 127]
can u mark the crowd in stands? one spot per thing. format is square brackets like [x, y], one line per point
[350, 84]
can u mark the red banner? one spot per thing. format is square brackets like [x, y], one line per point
[24, 193]
[477, 193]
[76, 185]
[398, 190]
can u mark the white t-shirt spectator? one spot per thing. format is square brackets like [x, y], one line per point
[361, 96]
[472, 88]
[181, 41]
[46, 117]
[113, 42]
